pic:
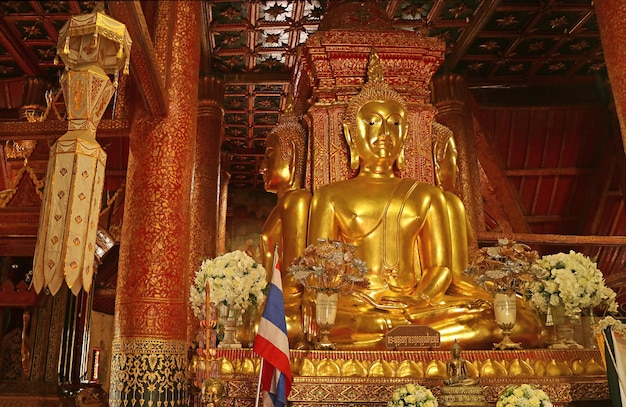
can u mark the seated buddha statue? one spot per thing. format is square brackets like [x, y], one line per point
[456, 369]
[446, 171]
[282, 169]
[402, 231]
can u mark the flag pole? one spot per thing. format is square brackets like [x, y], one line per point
[258, 386]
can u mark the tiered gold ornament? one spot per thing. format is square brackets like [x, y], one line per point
[92, 46]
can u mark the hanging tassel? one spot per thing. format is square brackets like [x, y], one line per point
[94, 44]
[56, 59]
[116, 79]
[126, 70]
[120, 52]
[66, 48]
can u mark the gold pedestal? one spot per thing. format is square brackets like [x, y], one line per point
[348, 378]
[469, 396]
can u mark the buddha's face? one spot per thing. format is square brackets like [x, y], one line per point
[381, 131]
[277, 173]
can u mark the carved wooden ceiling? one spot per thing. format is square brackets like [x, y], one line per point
[550, 149]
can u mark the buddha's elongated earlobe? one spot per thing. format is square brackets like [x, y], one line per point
[292, 163]
[400, 160]
[354, 153]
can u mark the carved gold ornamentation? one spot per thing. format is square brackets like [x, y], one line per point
[19, 148]
[148, 369]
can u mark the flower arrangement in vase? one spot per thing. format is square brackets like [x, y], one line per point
[505, 270]
[523, 395]
[235, 281]
[572, 280]
[571, 283]
[413, 395]
[329, 268]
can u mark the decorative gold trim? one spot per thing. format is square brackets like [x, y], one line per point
[148, 372]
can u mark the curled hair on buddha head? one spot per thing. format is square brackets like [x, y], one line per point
[291, 137]
[376, 88]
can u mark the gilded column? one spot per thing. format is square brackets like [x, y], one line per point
[205, 191]
[149, 352]
[611, 15]
[451, 98]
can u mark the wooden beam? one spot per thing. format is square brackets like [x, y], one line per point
[502, 188]
[553, 239]
[482, 16]
[542, 172]
[17, 246]
[19, 130]
[24, 57]
[143, 57]
[265, 78]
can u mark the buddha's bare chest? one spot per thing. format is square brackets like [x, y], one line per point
[378, 211]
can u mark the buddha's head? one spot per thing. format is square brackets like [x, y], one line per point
[285, 152]
[445, 157]
[375, 123]
[455, 351]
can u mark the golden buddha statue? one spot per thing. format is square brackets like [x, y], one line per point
[286, 225]
[402, 230]
[446, 171]
[456, 369]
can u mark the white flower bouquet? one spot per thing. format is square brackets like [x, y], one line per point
[412, 395]
[522, 396]
[610, 322]
[234, 279]
[572, 280]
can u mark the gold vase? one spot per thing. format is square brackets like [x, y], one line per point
[563, 329]
[325, 314]
[588, 327]
[231, 320]
[505, 311]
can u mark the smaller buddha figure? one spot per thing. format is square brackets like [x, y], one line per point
[446, 171]
[456, 369]
[286, 225]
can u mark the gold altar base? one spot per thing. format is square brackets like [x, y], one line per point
[368, 378]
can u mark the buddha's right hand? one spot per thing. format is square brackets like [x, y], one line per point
[386, 303]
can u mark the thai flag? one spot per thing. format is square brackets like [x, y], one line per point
[272, 345]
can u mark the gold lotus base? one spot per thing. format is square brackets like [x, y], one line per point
[349, 378]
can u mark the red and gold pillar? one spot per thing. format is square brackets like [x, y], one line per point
[205, 194]
[451, 98]
[611, 15]
[149, 352]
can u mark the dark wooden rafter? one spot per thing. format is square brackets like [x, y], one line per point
[478, 21]
[494, 170]
[143, 55]
[22, 55]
